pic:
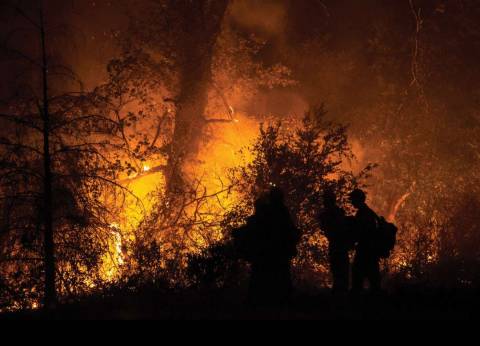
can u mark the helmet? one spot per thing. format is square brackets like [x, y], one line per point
[358, 195]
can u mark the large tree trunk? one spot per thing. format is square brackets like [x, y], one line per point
[49, 247]
[203, 24]
[190, 120]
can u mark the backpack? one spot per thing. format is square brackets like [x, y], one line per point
[386, 237]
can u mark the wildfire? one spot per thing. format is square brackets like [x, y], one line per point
[215, 159]
[116, 258]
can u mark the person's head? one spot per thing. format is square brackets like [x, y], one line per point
[329, 198]
[358, 198]
[261, 205]
[277, 197]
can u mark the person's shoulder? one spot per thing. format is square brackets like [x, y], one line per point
[370, 210]
[365, 212]
[254, 220]
[370, 213]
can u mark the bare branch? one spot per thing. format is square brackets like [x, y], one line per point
[85, 118]
[230, 110]
[19, 54]
[417, 14]
[19, 121]
[219, 121]
[24, 15]
[109, 182]
[6, 143]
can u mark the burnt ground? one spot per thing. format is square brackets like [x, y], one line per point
[404, 304]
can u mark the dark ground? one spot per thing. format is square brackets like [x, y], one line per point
[407, 303]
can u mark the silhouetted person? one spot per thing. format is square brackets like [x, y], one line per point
[270, 246]
[334, 223]
[366, 265]
[282, 245]
[249, 238]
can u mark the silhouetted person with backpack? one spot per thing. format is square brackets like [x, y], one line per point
[269, 242]
[366, 265]
[334, 223]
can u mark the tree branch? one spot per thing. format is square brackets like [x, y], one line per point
[17, 120]
[5, 143]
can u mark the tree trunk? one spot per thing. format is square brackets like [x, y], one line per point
[50, 294]
[195, 77]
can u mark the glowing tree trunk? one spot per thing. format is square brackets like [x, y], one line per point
[189, 121]
[202, 27]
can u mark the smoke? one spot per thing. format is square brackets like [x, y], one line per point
[267, 17]
[97, 25]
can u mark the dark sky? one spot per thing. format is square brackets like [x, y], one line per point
[82, 32]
